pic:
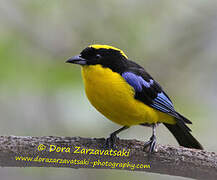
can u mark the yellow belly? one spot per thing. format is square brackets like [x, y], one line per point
[109, 93]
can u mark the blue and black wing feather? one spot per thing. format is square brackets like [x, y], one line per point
[149, 91]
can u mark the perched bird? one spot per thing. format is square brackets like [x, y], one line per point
[126, 94]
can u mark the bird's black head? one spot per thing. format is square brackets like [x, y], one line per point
[107, 56]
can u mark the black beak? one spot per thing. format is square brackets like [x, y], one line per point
[77, 60]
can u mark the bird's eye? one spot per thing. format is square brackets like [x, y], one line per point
[98, 56]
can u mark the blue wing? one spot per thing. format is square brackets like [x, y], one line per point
[149, 92]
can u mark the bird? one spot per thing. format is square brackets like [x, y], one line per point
[125, 93]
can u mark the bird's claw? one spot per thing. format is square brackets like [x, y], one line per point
[151, 143]
[110, 142]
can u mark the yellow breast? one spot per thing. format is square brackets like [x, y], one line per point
[109, 93]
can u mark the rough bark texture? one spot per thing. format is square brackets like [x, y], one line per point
[177, 161]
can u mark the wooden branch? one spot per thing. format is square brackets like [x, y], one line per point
[77, 152]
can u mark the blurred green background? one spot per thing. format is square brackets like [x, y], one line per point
[176, 41]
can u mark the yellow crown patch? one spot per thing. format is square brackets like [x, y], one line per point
[99, 46]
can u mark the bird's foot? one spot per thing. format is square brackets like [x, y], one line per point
[151, 144]
[110, 142]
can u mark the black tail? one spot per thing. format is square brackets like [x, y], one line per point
[182, 134]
